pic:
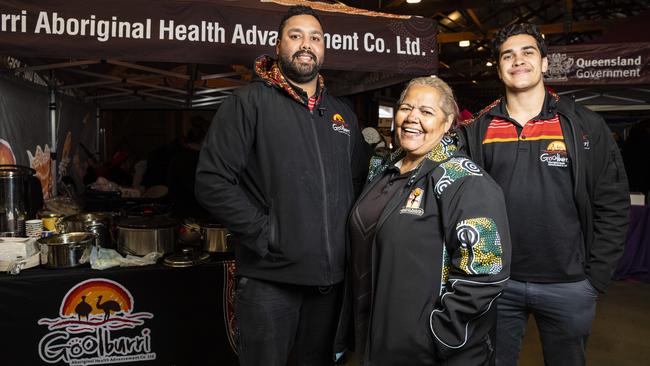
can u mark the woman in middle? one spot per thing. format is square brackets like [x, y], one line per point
[429, 245]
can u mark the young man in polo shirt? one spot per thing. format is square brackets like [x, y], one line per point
[567, 200]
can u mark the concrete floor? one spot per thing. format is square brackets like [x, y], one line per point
[620, 334]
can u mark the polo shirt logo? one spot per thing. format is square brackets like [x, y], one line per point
[555, 155]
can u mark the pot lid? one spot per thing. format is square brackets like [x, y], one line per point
[88, 217]
[82, 238]
[147, 222]
[209, 224]
[187, 257]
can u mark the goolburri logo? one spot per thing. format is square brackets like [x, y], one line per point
[555, 155]
[339, 124]
[96, 324]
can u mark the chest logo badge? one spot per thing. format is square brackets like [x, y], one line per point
[413, 203]
[555, 155]
[339, 125]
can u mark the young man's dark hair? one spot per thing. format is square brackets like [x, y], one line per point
[297, 10]
[515, 29]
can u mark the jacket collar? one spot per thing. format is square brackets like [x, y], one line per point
[268, 70]
[443, 151]
[549, 107]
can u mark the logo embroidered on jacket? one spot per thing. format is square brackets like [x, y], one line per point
[413, 203]
[555, 155]
[339, 125]
[585, 142]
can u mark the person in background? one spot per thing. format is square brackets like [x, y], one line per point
[567, 199]
[278, 168]
[181, 176]
[119, 170]
[429, 245]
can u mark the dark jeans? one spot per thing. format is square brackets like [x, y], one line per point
[563, 313]
[275, 320]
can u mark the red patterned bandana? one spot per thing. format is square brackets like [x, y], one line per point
[267, 68]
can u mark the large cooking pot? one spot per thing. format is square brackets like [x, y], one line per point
[65, 250]
[215, 238]
[99, 223]
[143, 235]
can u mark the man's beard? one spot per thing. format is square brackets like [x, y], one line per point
[297, 72]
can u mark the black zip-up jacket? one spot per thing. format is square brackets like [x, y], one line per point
[440, 257]
[600, 183]
[280, 178]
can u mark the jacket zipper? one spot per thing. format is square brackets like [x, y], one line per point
[394, 203]
[328, 246]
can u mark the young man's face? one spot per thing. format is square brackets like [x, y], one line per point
[521, 65]
[300, 48]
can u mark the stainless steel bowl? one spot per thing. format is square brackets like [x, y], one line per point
[66, 250]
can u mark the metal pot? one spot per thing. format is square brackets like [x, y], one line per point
[66, 250]
[143, 235]
[188, 257]
[99, 223]
[215, 238]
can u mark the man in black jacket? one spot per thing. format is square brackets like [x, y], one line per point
[567, 200]
[277, 169]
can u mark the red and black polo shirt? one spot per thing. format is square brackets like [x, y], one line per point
[533, 167]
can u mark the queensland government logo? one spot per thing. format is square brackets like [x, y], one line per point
[96, 324]
[339, 125]
[555, 155]
[559, 66]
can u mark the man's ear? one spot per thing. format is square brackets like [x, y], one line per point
[544, 64]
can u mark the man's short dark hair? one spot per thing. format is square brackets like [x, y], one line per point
[513, 30]
[297, 10]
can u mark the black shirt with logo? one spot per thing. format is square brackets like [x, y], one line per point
[532, 166]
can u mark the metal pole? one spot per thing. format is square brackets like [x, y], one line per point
[53, 131]
[98, 120]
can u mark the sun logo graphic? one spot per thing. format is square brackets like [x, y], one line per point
[339, 125]
[96, 324]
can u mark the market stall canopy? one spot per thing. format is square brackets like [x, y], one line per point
[221, 32]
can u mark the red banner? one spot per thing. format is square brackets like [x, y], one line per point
[210, 32]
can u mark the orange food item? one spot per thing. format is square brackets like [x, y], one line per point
[6, 154]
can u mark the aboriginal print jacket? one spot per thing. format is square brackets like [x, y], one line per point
[440, 259]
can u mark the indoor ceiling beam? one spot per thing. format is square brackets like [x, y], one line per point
[162, 97]
[57, 65]
[219, 76]
[216, 90]
[208, 99]
[148, 69]
[207, 103]
[154, 86]
[85, 85]
[576, 27]
[474, 18]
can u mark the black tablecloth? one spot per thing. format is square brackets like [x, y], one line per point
[635, 262]
[156, 315]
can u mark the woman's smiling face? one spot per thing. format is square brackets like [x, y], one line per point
[420, 121]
